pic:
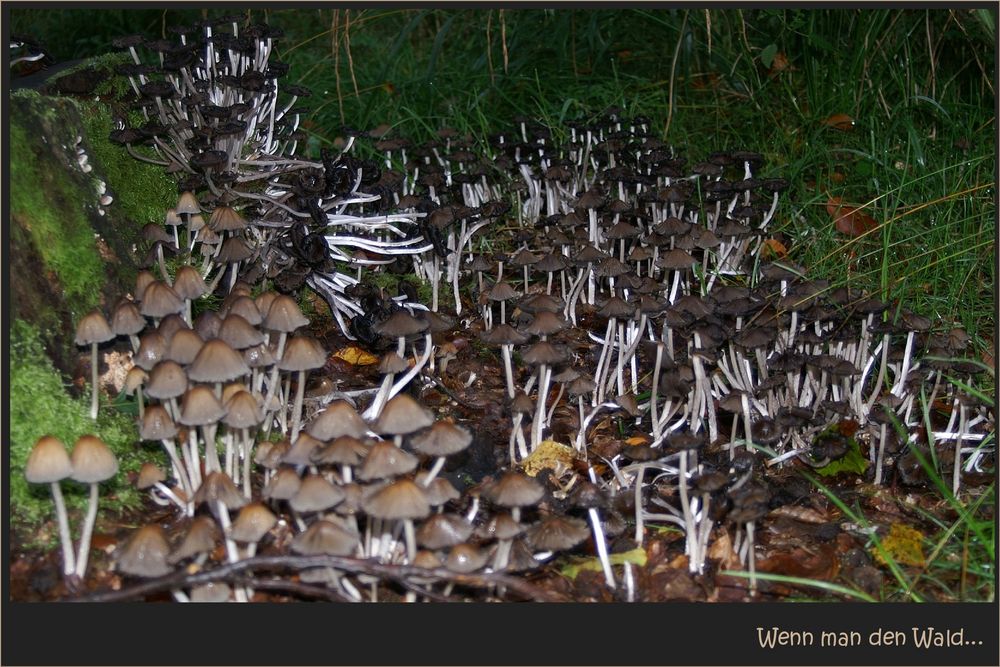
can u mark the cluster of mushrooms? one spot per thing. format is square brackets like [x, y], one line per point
[630, 284]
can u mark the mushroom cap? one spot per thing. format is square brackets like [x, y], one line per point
[345, 450]
[385, 460]
[443, 530]
[234, 249]
[188, 283]
[402, 499]
[252, 523]
[302, 353]
[184, 346]
[157, 424]
[238, 333]
[401, 324]
[556, 533]
[439, 491]
[246, 308]
[402, 415]
[166, 380]
[226, 219]
[502, 291]
[145, 553]
[242, 411]
[545, 323]
[127, 320]
[392, 363]
[93, 328]
[515, 490]
[500, 527]
[159, 300]
[48, 461]
[283, 486]
[217, 362]
[149, 474]
[187, 204]
[315, 494]
[284, 315]
[200, 537]
[93, 461]
[543, 352]
[325, 538]
[219, 487]
[337, 419]
[200, 407]
[442, 439]
[465, 558]
[301, 450]
[503, 334]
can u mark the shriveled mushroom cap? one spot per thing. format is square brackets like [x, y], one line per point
[556, 533]
[442, 439]
[200, 537]
[48, 461]
[315, 494]
[145, 553]
[337, 419]
[93, 328]
[385, 460]
[252, 523]
[325, 537]
[443, 530]
[515, 490]
[400, 500]
[93, 461]
[403, 415]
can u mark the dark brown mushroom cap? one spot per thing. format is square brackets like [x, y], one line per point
[522, 404]
[166, 380]
[402, 415]
[588, 495]
[284, 315]
[442, 439]
[157, 424]
[93, 328]
[557, 533]
[337, 419]
[503, 334]
[385, 460]
[536, 303]
[514, 490]
[465, 558]
[201, 536]
[252, 523]
[401, 324]
[315, 494]
[160, 300]
[543, 352]
[283, 486]
[616, 307]
[217, 362]
[300, 453]
[145, 553]
[149, 474]
[325, 538]
[402, 499]
[226, 219]
[92, 460]
[500, 527]
[48, 461]
[545, 323]
[218, 487]
[441, 531]
[502, 291]
[392, 363]
[345, 450]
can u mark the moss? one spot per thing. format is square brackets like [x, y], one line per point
[47, 203]
[40, 405]
[113, 86]
[143, 192]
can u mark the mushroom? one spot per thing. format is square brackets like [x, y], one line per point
[93, 462]
[92, 330]
[49, 463]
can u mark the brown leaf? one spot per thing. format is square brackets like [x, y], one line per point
[840, 121]
[774, 249]
[849, 220]
[780, 64]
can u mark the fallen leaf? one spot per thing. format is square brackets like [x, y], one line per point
[636, 440]
[722, 550]
[849, 220]
[636, 556]
[840, 121]
[774, 249]
[780, 64]
[903, 544]
[549, 454]
[355, 356]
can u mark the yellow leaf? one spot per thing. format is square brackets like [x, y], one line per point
[637, 440]
[355, 356]
[636, 556]
[903, 545]
[549, 454]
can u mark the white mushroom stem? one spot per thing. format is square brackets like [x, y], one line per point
[93, 380]
[435, 469]
[411, 541]
[69, 561]
[231, 552]
[883, 432]
[169, 495]
[297, 410]
[599, 541]
[88, 529]
[508, 370]
[212, 462]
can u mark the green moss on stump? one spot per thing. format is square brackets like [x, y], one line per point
[40, 405]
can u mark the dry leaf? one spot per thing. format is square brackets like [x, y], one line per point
[849, 220]
[903, 544]
[774, 249]
[549, 454]
[722, 550]
[780, 64]
[636, 440]
[840, 121]
[355, 356]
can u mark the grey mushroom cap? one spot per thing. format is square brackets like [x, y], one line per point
[145, 553]
[325, 538]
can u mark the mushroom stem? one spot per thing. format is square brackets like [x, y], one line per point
[93, 380]
[435, 469]
[88, 529]
[297, 410]
[69, 561]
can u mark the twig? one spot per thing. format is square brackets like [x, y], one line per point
[398, 573]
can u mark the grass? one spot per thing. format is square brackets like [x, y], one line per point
[891, 110]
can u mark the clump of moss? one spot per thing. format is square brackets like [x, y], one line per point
[40, 405]
[47, 202]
